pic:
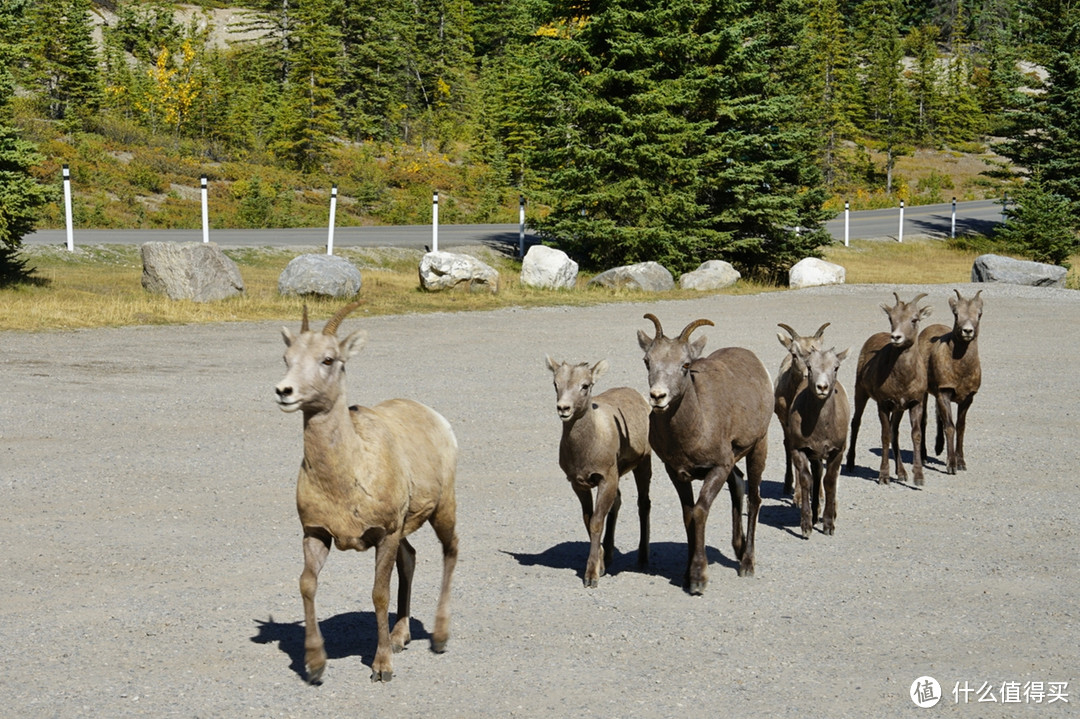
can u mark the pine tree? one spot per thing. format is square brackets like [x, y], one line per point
[65, 58]
[923, 82]
[21, 197]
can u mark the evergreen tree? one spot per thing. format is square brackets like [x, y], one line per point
[662, 137]
[307, 120]
[923, 82]
[21, 197]
[65, 58]
[886, 111]
[1041, 224]
[443, 66]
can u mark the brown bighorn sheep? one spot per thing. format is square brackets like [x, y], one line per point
[707, 414]
[953, 374]
[791, 375]
[817, 433]
[892, 372]
[603, 438]
[370, 477]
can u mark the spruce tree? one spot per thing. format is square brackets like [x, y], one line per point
[21, 197]
[661, 135]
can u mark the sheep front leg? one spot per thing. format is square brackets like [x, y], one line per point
[386, 552]
[885, 416]
[832, 471]
[801, 464]
[406, 563]
[316, 549]
[961, 425]
[915, 415]
[643, 478]
[601, 547]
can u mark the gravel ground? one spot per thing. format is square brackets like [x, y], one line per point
[152, 551]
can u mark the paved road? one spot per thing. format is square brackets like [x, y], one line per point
[933, 220]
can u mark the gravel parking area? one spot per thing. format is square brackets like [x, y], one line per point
[151, 549]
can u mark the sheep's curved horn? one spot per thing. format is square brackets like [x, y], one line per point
[897, 296]
[817, 335]
[790, 331]
[917, 298]
[332, 325]
[685, 334]
[655, 321]
[304, 324]
[958, 295]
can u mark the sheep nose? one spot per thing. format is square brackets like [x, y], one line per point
[822, 388]
[658, 395]
[562, 408]
[283, 392]
[897, 338]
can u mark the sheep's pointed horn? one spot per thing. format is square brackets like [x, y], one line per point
[790, 331]
[304, 324]
[897, 296]
[684, 336]
[817, 335]
[655, 321]
[958, 295]
[332, 325]
[917, 298]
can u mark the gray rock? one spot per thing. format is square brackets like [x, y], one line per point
[812, 272]
[548, 268]
[197, 271]
[447, 270]
[711, 275]
[645, 276]
[995, 268]
[326, 275]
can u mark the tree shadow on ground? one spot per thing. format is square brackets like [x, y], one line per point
[346, 635]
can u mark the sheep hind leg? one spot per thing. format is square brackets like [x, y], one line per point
[609, 530]
[861, 398]
[316, 549]
[643, 478]
[444, 522]
[755, 468]
[406, 563]
[915, 415]
[885, 416]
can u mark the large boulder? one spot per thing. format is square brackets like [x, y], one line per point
[811, 272]
[711, 275]
[197, 271]
[645, 276]
[447, 270]
[995, 268]
[326, 275]
[548, 268]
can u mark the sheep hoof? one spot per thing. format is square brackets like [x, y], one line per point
[314, 674]
[806, 532]
[383, 676]
[591, 582]
[883, 479]
[698, 588]
[438, 645]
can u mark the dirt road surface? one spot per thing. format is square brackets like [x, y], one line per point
[151, 549]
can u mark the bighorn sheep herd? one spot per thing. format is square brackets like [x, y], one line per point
[370, 476]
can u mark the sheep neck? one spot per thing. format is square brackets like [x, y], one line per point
[330, 441]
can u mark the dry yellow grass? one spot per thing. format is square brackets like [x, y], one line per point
[101, 286]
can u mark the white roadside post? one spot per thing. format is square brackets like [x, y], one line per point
[333, 212]
[67, 209]
[847, 223]
[435, 222]
[952, 225]
[521, 226]
[205, 213]
[900, 235]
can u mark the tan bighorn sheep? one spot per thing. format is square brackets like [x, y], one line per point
[892, 372]
[603, 437]
[817, 433]
[953, 374]
[707, 414]
[370, 477]
[792, 373]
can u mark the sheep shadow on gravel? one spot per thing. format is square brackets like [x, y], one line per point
[871, 475]
[666, 559]
[348, 634]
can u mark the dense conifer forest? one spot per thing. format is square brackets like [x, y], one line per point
[675, 131]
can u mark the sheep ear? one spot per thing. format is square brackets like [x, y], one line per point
[925, 312]
[600, 368]
[953, 300]
[288, 336]
[786, 341]
[551, 364]
[353, 343]
[644, 340]
[697, 347]
[841, 356]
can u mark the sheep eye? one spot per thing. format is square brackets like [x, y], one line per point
[585, 387]
[327, 362]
